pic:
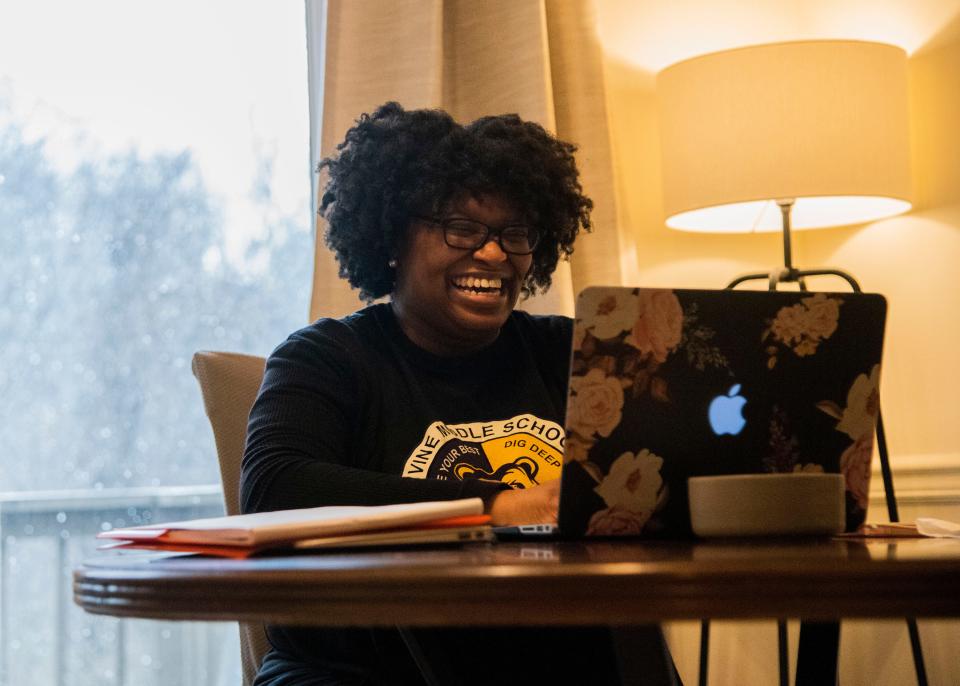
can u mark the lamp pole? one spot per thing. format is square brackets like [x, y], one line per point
[786, 205]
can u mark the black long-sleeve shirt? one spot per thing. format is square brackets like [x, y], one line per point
[347, 407]
[352, 412]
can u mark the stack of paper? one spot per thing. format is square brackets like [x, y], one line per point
[317, 527]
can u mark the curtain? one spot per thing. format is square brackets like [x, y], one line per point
[537, 58]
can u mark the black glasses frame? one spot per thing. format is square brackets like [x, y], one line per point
[533, 236]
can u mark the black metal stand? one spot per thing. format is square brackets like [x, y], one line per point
[789, 273]
[820, 640]
[704, 651]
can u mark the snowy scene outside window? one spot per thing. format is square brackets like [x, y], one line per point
[154, 201]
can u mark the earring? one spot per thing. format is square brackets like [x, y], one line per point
[392, 263]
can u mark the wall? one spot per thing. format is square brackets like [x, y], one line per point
[914, 261]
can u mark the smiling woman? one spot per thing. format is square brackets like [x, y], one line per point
[446, 391]
[453, 300]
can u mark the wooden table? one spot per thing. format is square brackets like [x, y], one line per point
[623, 582]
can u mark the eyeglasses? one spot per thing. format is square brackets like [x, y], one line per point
[467, 234]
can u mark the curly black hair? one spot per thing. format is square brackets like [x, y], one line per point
[395, 164]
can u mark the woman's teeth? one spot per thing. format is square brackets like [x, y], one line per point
[478, 285]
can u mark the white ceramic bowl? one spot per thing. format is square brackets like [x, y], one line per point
[767, 504]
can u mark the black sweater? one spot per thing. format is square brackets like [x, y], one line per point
[347, 407]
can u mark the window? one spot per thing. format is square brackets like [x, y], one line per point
[154, 201]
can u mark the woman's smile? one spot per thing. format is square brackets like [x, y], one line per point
[483, 290]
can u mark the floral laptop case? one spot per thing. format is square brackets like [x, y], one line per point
[669, 384]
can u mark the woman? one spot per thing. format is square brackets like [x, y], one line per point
[428, 396]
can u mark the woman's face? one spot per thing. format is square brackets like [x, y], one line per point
[439, 306]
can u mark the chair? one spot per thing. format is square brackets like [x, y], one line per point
[229, 383]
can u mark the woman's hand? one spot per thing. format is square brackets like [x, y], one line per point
[537, 505]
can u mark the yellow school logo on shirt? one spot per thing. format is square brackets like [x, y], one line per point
[522, 451]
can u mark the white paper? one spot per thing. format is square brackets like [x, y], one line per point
[284, 525]
[937, 528]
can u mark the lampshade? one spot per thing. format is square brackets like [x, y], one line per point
[822, 122]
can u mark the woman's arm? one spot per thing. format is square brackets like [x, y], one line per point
[289, 482]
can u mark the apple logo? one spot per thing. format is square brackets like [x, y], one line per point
[726, 412]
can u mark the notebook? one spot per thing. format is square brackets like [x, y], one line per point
[312, 528]
[669, 384]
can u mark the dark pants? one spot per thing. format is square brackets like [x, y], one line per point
[505, 656]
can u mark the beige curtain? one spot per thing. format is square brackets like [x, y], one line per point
[538, 58]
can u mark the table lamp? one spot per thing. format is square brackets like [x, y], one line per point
[785, 136]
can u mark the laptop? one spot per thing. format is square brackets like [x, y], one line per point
[668, 384]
